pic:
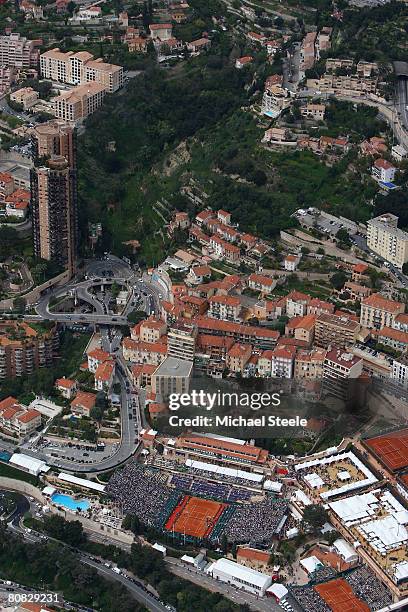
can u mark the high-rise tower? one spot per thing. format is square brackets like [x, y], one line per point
[54, 194]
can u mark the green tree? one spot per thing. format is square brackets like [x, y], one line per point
[338, 279]
[315, 516]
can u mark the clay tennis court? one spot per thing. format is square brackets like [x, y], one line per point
[391, 449]
[194, 516]
[340, 597]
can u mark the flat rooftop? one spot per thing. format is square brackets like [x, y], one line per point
[172, 366]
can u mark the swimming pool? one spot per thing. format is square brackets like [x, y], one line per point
[69, 502]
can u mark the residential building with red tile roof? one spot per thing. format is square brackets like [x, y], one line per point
[378, 311]
[95, 358]
[203, 216]
[67, 387]
[196, 234]
[238, 356]
[142, 374]
[214, 346]
[317, 307]
[104, 375]
[243, 61]
[262, 283]
[83, 403]
[257, 336]
[335, 330]
[152, 329]
[394, 338]
[224, 307]
[224, 216]
[309, 364]
[144, 352]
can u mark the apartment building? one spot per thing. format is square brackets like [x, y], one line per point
[54, 137]
[53, 197]
[172, 376]
[150, 330]
[277, 363]
[224, 249]
[216, 347]
[291, 262]
[26, 96]
[95, 358]
[23, 349]
[401, 322]
[309, 364]
[6, 185]
[378, 312]
[346, 84]
[387, 240]
[181, 341]
[282, 362]
[313, 111]
[341, 372]
[383, 171]
[317, 307]
[163, 31]
[238, 356]
[302, 328]
[83, 403]
[144, 352]
[245, 334]
[104, 376]
[296, 304]
[80, 68]
[307, 52]
[16, 419]
[7, 78]
[17, 51]
[224, 307]
[335, 330]
[400, 371]
[341, 365]
[398, 340]
[355, 291]
[79, 102]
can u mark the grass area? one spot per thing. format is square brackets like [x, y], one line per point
[8, 471]
[314, 288]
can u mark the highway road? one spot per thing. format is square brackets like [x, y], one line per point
[144, 295]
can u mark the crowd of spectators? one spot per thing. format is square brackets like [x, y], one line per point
[212, 490]
[308, 598]
[140, 491]
[367, 587]
[257, 522]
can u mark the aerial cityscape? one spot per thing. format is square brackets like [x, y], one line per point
[203, 305]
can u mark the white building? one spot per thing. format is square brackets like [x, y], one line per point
[399, 153]
[383, 171]
[29, 464]
[400, 371]
[291, 262]
[345, 550]
[240, 576]
[387, 240]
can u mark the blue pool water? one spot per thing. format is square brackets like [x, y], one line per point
[69, 502]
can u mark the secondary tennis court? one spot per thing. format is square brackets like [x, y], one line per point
[340, 597]
[195, 517]
[391, 449]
